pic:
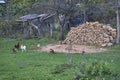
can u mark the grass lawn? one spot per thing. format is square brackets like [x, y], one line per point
[38, 65]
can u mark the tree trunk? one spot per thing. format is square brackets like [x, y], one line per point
[84, 12]
[118, 27]
[62, 31]
[51, 30]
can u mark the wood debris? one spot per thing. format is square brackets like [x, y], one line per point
[92, 34]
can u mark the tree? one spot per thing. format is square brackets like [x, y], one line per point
[118, 23]
[94, 10]
[64, 9]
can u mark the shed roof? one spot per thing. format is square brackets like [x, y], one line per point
[27, 17]
[33, 16]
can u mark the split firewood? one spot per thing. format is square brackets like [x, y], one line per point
[91, 33]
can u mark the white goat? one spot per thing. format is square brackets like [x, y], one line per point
[23, 48]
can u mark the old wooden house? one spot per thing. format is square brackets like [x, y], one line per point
[37, 25]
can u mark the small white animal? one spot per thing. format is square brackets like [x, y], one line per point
[38, 46]
[23, 48]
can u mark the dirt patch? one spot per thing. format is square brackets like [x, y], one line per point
[75, 48]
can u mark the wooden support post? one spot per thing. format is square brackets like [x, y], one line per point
[118, 25]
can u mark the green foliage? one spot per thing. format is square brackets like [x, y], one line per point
[96, 10]
[96, 70]
[7, 28]
[61, 68]
[99, 69]
[37, 65]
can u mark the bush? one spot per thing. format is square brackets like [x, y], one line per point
[98, 69]
[95, 71]
[60, 68]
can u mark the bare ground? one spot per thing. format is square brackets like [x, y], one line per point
[75, 48]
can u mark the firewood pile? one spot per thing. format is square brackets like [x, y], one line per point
[91, 33]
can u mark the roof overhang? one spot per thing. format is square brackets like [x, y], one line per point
[34, 16]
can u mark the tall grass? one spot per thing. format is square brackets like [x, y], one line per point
[37, 65]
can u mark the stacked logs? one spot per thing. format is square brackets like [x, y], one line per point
[91, 33]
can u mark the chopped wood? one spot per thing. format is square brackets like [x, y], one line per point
[91, 33]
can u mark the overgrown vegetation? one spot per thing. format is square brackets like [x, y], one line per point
[96, 70]
[37, 65]
[93, 10]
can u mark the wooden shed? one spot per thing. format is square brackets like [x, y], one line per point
[39, 24]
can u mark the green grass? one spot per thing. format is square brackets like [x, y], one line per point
[37, 65]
